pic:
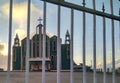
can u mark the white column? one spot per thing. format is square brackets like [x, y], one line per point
[71, 48]
[104, 46]
[28, 44]
[58, 46]
[113, 44]
[94, 45]
[9, 43]
[84, 45]
[44, 44]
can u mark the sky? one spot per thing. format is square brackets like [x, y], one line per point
[19, 26]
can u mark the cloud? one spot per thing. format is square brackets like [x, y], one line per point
[3, 55]
[77, 59]
[3, 62]
[3, 49]
[49, 34]
[20, 16]
[21, 33]
[1, 46]
[19, 11]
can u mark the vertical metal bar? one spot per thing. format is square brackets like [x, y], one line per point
[84, 45]
[104, 46]
[58, 46]
[113, 53]
[39, 55]
[12, 60]
[94, 44]
[84, 49]
[44, 44]
[28, 44]
[60, 41]
[113, 44]
[9, 42]
[119, 29]
[71, 47]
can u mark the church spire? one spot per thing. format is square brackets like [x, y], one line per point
[67, 33]
[67, 37]
[39, 26]
[17, 36]
[40, 20]
[16, 41]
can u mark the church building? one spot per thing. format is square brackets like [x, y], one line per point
[36, 49]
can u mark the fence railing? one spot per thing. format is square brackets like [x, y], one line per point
[73, 7]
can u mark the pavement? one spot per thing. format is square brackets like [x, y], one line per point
[51, 77]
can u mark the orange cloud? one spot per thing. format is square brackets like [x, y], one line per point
[20, 16]
[3, 49]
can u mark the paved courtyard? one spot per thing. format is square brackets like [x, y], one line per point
[35, 77]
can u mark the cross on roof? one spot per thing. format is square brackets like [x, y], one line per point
[40, 19]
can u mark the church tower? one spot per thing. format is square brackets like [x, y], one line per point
[16, 41]
[67, 38]
[39, 32]
[16, 57]
[39, 27]
[65, 52]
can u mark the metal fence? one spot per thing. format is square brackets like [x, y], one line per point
[73, 7]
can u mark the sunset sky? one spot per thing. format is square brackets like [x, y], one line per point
[20, 24]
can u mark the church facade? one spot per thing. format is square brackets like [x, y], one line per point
[36, 49]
